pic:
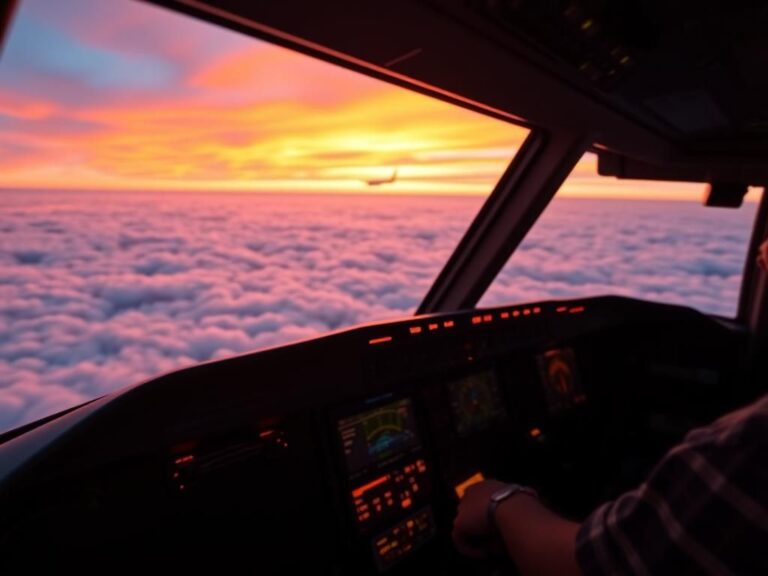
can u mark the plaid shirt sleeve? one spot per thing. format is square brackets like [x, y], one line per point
[702, 510]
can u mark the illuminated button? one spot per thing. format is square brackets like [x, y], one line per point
[474, 479]
[487, 317]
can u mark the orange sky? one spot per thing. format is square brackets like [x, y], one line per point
[91, 99]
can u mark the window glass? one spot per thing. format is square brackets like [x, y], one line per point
[175, 192]
[648, 240]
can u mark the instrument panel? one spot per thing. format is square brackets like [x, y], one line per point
[359, 455]
[396, 479]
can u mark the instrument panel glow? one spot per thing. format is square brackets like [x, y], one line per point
[376, 435]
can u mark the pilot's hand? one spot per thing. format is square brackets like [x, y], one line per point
[762, 256]
[472, 533]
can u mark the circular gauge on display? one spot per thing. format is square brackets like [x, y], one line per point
[476, 402]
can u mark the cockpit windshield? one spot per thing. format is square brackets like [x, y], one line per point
[175, 192]
[644, 239]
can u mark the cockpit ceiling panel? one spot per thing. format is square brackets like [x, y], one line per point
[697, 66]
[649, 78]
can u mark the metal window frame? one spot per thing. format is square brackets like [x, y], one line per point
[524, 191]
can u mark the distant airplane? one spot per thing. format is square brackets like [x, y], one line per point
[379, 181]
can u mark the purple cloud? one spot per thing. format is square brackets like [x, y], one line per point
[100, 292]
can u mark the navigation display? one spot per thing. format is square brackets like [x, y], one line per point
[376, 435]
[476, 402]
[560, 379]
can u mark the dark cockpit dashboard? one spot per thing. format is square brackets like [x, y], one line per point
[347, 454]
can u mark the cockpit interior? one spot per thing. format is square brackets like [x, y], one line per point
[347, 454]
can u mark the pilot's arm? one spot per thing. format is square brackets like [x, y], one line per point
[702, 510]
[538, 540]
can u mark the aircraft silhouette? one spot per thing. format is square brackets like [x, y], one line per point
[379, 181]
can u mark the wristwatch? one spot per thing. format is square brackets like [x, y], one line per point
[502, 494]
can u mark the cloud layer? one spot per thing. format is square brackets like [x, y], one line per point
[676, 252]
[99, 292]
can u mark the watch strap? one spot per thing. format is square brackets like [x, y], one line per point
[503, 494]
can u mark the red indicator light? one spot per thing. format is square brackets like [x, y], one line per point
[488, 318]
[357, 492]
[527, 312]
[185, 459]
[577, 309]
[537, 310]
[516, 313]
[534, 433]
[505, 315]
[561, 309]
[415, 329]
[381, 340]
[434, 326]
[406, 503]
[266, 433]
[448, 324]
[477, 319]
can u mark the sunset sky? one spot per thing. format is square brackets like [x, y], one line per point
[119, 94]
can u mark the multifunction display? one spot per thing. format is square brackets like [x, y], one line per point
[374, 436]
[560, 379]
[476, 402]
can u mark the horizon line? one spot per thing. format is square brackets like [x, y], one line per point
[750, 198]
